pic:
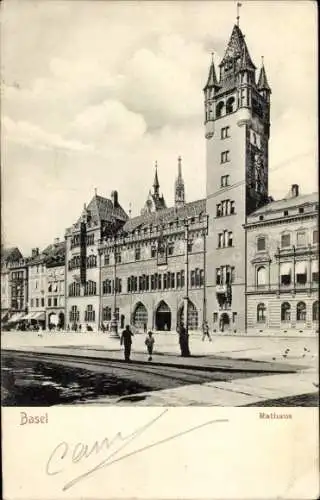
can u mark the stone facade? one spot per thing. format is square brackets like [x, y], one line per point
[237, 134]
[282, 271]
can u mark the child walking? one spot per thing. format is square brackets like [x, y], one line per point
[149, 343]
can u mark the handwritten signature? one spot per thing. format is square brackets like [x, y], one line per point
[64, 454]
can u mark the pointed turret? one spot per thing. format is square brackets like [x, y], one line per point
[156, 184]
[263, 85]
[212, 81]
[179, 191]
[263, 81]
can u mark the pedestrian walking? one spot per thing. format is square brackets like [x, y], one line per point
[206, 332]
[150, 343]
[126, 340]
[145, 327]
[184, 341]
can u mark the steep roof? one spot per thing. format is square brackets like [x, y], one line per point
[11, 254]
[234, 46]
[166, 215]
[55, 254]
[102, 209]
[263, 82]
[212, 78]
[285, 203]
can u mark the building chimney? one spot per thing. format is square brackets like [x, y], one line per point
[34, 252]
[114, 198]
[294, 190]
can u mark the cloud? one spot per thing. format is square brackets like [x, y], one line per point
[30, 135]
[107, 124]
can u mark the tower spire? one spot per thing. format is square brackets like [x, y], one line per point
[179, 191]
[156, 184]
[212, 78]
[238, 12]
[263, 84]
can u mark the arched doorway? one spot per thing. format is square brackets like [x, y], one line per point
[193, 321]
[53, 320]
[224, 322]
[140, 316]
[163, 317]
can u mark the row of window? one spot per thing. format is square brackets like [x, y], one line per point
[286, 240]
[287, 273]
[37, 302]
[168, 250]
[108, 286]
[89, 314]
[225, 275]
[226, 207]
[225, 239]
[51, 301]
[57, 286]
[286, 213]
[75, 241]
[17, 275]
[301, 312]
[75, 262]
[90, 288]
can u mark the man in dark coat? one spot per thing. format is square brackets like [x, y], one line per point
[127, 341]
[184, 341]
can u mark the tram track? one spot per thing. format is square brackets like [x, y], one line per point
[179, 375]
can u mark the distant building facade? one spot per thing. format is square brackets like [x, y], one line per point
[55, 281]
[9, 257]
[37, 285]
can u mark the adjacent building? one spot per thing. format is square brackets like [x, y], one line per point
[55, 261]
[282, 265]
[9, 257]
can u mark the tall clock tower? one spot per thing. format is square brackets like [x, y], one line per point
[237, 125]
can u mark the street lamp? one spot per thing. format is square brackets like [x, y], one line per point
[114, 320]
[186, 274]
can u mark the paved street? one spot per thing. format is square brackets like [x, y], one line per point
[88, 368]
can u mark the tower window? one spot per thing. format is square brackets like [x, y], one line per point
[219, 109]
[225, 157]
[285, 213]
[301, 210]
[225, 180]
[225, 132]
[230, 105]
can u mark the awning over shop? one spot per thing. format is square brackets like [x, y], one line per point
[39, 316]
[15, 318]
[27, 316]
[4, 315]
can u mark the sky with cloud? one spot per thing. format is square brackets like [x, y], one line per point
[93, 93]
